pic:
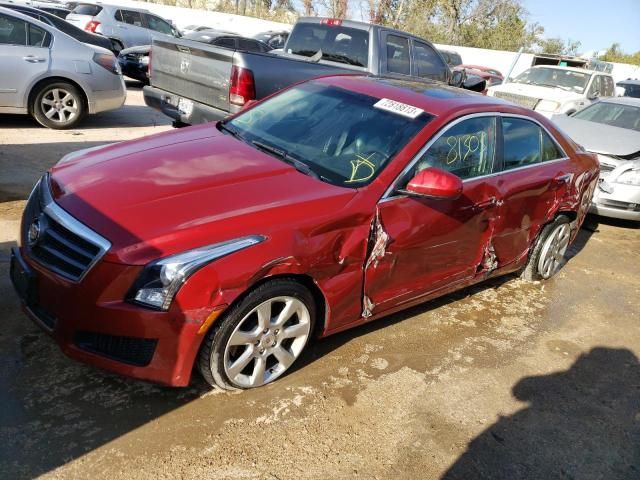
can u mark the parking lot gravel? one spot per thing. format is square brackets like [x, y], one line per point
[509, 379]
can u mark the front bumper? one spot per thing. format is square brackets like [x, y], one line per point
[92, 323]
[623, 202]
[167, 103]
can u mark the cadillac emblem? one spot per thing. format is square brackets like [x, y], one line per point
[34, 232]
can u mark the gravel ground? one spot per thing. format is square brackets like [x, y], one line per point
[506, 380]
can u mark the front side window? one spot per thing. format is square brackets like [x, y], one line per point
[159, 25]
[467, 149]
[13, 31]
[340, 135]
[614, 114]
[608, 89]
[428, 62]
[225, 42]
[398, 59]
[595, 90]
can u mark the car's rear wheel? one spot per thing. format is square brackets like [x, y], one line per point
[259, 338]
[58, 105]
[548, 255]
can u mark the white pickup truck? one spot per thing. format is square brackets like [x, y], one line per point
[550, 90]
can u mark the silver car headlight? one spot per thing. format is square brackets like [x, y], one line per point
[547, 105]
[159, 282]
[630, 177]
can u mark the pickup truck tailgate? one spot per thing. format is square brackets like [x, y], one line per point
[192, 70]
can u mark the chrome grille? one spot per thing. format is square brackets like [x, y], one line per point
[62, 244]
[522, 100]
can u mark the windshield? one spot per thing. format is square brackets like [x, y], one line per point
[338, 44]
[554, 77]
[338, 134]
[614, 114]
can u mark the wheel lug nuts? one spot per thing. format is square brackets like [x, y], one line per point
[266, 330]
[277, 331]
[262, 350]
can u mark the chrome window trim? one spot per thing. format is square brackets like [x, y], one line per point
[61, 216]
[389, 192]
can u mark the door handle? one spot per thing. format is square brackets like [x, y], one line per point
[490, 202]
[33, 59]
[563, 178]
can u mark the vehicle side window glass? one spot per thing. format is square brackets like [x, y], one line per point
[13, 31]
[225, 42]
[248, 45]
[550, 149]
[595, 87]
[131, 17]
[521, 143]
[608, 88]
[428, 63]
[398, 55]
[159, 25]
[38, 37]
[466, 149]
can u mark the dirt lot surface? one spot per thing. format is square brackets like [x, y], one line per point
[508, 380]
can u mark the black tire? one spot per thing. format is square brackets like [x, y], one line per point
[532, 270]
[58, 95]
[211, 358]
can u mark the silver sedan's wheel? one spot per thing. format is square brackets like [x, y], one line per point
[553, 250]
[267, 341]
[59, 105]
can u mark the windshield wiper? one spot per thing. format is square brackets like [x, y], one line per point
[234, 133]
[286, 157]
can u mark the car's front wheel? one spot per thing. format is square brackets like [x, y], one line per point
[58, 105]
[260, 337]
[548, 254]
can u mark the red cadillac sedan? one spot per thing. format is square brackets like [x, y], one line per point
[229, 245]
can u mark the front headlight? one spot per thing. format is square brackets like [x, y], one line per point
[630, 177]
[547, 105]
[159, 282]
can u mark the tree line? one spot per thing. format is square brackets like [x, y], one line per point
[491, 24]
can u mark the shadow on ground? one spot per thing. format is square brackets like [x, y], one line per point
[583, 423]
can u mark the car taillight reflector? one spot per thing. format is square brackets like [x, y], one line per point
[242, 88]
[331, 22]
[91, 26]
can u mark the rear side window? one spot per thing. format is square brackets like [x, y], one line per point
[338, 44]
[428, 62]
[398, 59]
[550, 149]
[38, 37]
[521, 143]
[87, 9]
[130, 17]
[13, 31]
[466, 149]
[249, 45]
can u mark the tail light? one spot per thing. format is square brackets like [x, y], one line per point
[91, 26]
[107, 61]
[243, 87]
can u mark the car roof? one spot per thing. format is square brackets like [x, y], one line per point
[115, 6]
[433, 97]
[628, 81]
[28, 8]
[631, 101]
[22, 16]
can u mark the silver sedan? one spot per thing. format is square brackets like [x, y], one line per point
[52, 76]
[611, 129]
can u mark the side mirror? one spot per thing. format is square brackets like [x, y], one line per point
[435, 183]
[594, 95]
[457, 78]
[475, 83]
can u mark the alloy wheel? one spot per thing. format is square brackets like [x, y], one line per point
[267, 341]
[59, 105]
[553, 251]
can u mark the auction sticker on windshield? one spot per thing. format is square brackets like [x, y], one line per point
[398, 107]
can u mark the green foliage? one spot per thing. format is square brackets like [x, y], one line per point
[615, 54]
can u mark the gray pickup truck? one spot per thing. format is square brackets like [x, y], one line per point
[192, 82]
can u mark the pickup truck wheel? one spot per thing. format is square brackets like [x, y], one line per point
[58, 105]
[548, 255]
[260, 337]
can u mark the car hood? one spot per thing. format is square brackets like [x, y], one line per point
[600, 138]
[175, 191]
[536, 91]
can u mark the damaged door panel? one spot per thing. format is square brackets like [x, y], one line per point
[420, 245]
